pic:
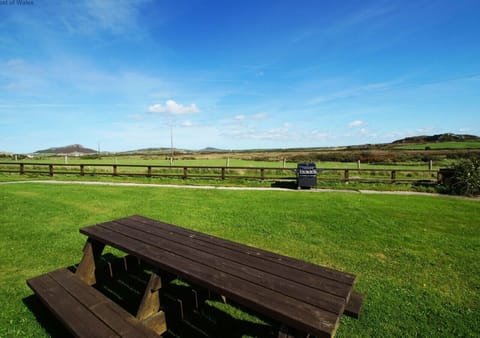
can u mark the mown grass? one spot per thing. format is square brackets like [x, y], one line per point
[415, 257]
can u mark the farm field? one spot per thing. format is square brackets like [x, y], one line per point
[222, 162]
[442, 145]
[415, 257]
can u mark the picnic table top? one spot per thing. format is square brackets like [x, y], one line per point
[302, 295]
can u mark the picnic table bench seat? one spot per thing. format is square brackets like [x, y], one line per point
[302, 296]
[83, 310]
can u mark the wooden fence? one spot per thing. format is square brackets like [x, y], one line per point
[224, 172]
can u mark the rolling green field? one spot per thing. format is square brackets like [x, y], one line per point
[442, 145]
[415, 257]
[220, 162]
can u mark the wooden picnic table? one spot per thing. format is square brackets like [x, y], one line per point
[304, 297]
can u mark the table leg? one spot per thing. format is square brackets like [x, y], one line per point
[91, 254]
[149, 310]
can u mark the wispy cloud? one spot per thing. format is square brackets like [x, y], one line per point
[426, 130]
[173, 108]
[250, 117]
[356, 124]
[350, 21]
[352, 92]
[91, 16]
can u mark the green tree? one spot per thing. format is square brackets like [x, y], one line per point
[466, 178]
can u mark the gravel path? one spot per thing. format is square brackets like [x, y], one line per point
[180, 186]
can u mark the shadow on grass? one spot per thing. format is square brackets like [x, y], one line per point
[285, 184]
[45, 318]
[212, 319]
[52, 326]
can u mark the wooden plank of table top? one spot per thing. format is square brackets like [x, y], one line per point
[267, 255]
[277, 269]
[286, 309]
[290, 288]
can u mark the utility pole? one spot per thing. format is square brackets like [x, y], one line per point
[171, 145]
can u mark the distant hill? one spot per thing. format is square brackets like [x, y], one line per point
[162, 150]
[74, 148]
[211, 150]
[448, 137]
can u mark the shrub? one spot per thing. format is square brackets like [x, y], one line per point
[466, 178]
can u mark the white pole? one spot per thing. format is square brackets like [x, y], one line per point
[171, 145]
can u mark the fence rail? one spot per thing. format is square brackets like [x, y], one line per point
[223, 172]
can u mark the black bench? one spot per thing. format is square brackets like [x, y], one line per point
[305, 298]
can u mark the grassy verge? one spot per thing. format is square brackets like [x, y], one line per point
[416, 257]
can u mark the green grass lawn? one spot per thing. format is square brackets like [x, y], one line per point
[416, 257]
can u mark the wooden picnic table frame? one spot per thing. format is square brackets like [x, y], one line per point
[305, 297]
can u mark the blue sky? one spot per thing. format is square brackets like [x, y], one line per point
[236, 74]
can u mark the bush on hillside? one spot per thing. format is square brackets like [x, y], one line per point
[466, 178]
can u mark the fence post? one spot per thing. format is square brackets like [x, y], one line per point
[149, 171]
[22, 169]
[393, 176]
[115, 172]
[50, 169]
[262, 174]
[223, 173]
[347, 176]
[82, 170]
[185, 172]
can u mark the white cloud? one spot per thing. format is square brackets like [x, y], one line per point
[258, 116]
[173, 108]
[282, 133]
[356, 124]
[465, 130]
[187, 123]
